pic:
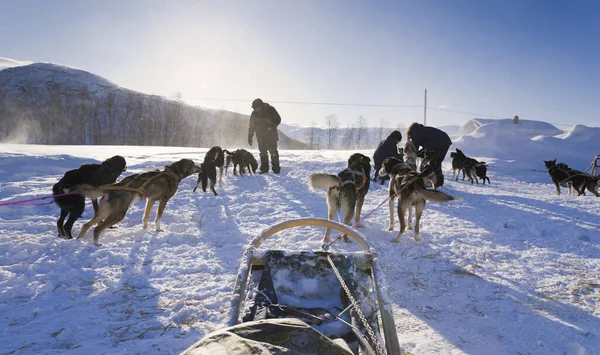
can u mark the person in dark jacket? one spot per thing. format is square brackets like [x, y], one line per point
[431, 138]
[263, 122]
[387, 148]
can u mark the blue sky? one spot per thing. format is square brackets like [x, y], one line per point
[537, 59]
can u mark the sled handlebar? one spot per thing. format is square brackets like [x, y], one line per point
[313, 222]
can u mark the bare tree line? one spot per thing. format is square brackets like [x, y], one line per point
[357, 135]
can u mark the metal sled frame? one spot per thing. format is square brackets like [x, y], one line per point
[371, 263]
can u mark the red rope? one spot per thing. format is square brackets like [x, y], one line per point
[24, 202]
[366, 216]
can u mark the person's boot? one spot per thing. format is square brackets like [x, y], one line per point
[264, 163]
[275, 163]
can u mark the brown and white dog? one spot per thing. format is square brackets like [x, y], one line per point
[408, 187]
[116, 198]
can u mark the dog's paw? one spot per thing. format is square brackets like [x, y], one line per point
[390, 228]
[397, 240]
[409, 227]
[417, 238]
[158, 230]
[145, 226]
[359, 225]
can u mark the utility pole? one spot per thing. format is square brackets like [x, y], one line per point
[425, 110]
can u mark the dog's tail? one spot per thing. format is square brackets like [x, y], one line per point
[200, 179]
[437, 196]
[323, 181]
[88, 191]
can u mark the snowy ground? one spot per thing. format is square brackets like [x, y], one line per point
[510, 269]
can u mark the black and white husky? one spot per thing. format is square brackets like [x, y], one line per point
[214, 158]
[345, 191]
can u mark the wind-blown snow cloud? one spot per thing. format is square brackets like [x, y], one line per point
[9, 63]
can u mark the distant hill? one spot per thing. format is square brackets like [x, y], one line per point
[346, 137]
[451, 130]
[528, 143]
[51, 104]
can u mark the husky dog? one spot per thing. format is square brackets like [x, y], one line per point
[92, 174]
[576, 180]
[410, 154]
[481, 171]
[458, 163]
[154, 185]
[242, 158]
[469, 166]
[346, 190]
[214, 158]
[409, 187]
[428, 166]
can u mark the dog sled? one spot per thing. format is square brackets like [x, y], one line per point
[309, 302]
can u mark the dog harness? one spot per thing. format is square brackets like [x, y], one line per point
[140, 190]
[347, 176]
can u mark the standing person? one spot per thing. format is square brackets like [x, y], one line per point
[387, 148]
[264, 121]
[431, 138]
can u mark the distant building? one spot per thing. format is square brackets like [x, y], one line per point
[516, 119]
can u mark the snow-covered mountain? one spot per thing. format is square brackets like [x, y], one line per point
[527, 144]
[52, 104]
[450, 129]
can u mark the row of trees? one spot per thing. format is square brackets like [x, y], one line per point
[116, 117]
[356, 135]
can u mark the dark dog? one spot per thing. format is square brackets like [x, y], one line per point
[469, 166]
[428, 167]
[346, 190]
[458, 163]
[576, 180]
[242, 158]
[481, 171]
[360, 165]
[154, 185]
[92, 174]
[382, 179]
[409, 187]
[214, 158]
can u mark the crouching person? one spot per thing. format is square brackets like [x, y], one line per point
[387, 148]
[431, 138]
